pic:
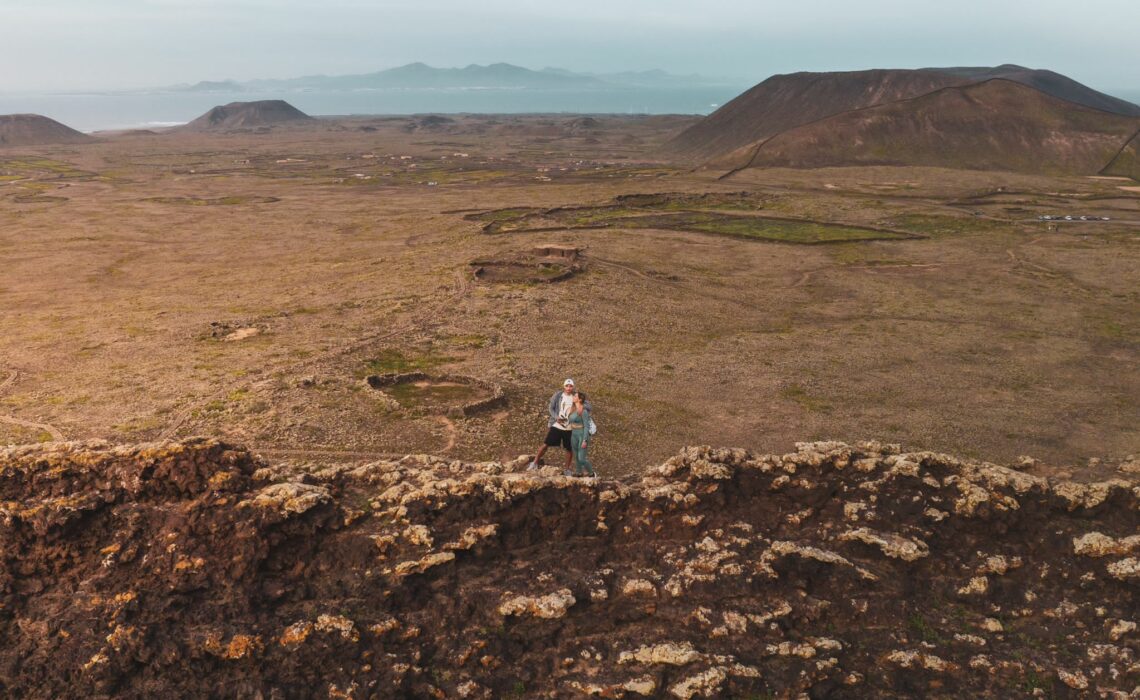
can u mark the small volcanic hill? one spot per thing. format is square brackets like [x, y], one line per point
[36, 130]
[995, 125]
[194, 570]
[1127, 162]
[246, 115]
[784, 102]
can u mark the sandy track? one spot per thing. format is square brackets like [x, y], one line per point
[12, 420]
[450, 431]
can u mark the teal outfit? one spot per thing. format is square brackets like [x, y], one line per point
[579, 435]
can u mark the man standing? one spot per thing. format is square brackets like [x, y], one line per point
[558, 430]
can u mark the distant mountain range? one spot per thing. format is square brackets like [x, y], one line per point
[494, 76]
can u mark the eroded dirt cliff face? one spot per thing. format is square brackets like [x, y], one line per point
[191, 570]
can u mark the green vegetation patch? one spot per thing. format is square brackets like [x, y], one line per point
[432, 393]
[25, 167]
[710, 213]
[934, 225]
[800, 395]
[392, 361]
[212, 202]
[509, 214]
[38, 199]
[778, 230]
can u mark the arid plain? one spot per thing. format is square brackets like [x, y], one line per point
[244, 285]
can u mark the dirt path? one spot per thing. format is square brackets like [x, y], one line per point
[627, 268]
[56, 435]
[450, 431]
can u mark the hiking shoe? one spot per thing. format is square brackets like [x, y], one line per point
[569, 473]
[533, 466]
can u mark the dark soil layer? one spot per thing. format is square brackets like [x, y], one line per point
[192, 570]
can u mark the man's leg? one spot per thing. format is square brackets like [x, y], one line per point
[534, 462]
[569, 459]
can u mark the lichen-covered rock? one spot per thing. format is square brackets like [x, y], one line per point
[1096, 544]
[891, 545]
[194, 570]
[548, 606]
[673, 654]
[289, 498]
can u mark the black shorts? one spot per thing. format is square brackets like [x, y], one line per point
[556, 437]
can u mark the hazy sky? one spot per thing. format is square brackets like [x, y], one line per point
[97, 44]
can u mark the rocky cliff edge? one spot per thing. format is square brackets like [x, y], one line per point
[192, 569]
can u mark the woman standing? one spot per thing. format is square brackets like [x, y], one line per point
[579, 422]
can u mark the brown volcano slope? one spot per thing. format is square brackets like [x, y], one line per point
[192, 570]
[1050, 83]
[783, 102]
[245, 115]
[36, 130]
[996, 125]
[1127, 162]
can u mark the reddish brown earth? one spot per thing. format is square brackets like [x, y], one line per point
[36, 130]
[239, 115]
[1050, 83]
[1127, 162]
[836, 104]
[997, 125]
[783, 102]
[195, 570]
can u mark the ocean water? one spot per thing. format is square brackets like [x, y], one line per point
[97, 111]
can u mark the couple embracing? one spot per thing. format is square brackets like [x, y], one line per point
[569, 427]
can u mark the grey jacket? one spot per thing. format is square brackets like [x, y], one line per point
[555, 404]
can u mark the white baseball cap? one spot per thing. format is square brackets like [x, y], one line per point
[568, 382]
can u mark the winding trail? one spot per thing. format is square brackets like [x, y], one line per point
[451, 432]
[56, 435]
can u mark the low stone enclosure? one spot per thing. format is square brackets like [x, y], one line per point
[544, 263]
[736, 215]
[447, 394]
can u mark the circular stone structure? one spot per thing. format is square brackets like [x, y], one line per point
[442, 394]
[527, 271]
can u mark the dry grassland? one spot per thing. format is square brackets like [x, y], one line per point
[244, 285]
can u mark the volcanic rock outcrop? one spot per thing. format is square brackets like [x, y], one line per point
[245, 115]
[194, 570]
[36, 130]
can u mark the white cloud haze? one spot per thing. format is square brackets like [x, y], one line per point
[99, 44]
